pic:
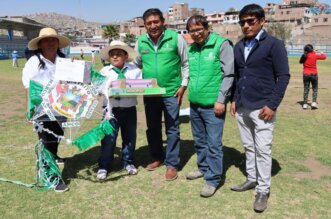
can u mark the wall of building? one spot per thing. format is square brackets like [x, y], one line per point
[290, 2]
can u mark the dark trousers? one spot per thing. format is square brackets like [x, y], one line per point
[126, 120]
[307, 80]
[50, 142]
[154, 107]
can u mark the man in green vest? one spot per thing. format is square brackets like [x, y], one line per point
[163, 55]
[211, 77]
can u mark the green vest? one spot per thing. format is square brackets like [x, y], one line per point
[164, 63]
[205, 71]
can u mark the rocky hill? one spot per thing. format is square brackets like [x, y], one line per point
[60, 21]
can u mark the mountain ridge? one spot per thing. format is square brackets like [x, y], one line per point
[61, 21]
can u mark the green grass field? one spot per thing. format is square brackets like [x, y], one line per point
[301, 182]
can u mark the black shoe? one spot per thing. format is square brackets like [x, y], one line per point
[244, 187]
[261, 201]
[61, 187]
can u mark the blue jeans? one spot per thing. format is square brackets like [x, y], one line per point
[207, 131]
[126, 119]
[154, 106]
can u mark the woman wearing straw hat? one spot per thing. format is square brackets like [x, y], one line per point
[40, 69]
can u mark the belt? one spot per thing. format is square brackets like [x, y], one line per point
[122, 108]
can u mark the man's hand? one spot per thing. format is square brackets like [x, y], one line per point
[179, 94]
[219, 108]
[266, 113]
[233, 109]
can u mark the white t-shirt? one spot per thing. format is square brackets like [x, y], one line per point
[32, 71]
[132, 72]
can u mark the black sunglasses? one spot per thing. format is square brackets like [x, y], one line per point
[250, 21]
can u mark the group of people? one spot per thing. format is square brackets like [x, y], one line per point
[253, 75]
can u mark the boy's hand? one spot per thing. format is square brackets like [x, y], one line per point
[266, 113]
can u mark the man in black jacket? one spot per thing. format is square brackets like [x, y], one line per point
[262, 75]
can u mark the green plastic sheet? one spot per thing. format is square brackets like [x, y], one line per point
[93, 136]
[34, 99]
[96, 78]
[48, 173]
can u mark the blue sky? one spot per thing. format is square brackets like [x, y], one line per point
[108, 11]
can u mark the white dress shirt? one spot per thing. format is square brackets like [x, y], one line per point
[32, 71]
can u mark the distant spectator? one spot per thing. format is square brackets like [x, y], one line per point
[93, 56]
[15, 56]
[104, 63]
[81, 54]
[309, 59]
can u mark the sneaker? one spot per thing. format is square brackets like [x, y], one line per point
[305, 106]
[61, 187]
[207, 191]
[314, 105]
[59, 160]
[195, 174]
[102, 174]
[132, 170]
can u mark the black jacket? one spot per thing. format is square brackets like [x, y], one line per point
[262, 79]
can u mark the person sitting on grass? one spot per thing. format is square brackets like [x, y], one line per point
[123, 108]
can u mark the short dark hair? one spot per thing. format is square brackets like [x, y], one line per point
[197, 19]
[308, 48]
[252, 10]
[153, 11]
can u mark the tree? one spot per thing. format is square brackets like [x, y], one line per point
[195, 11]
[232, 10]
[129, 38]
[279, 30]
[110, 32]
[71, 37]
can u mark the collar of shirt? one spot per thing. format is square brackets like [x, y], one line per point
[120, 72]
[47, 60]
[158, 40]
[111, 67]
[204, 42]
[250, 43]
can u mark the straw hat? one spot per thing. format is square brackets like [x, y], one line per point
[48, 32]
[116, 44]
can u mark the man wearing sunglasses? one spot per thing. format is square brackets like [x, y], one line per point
[262, 75]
